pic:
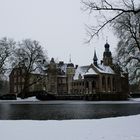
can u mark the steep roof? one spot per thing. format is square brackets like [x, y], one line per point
[92, 70]
[105, 69]
[63, 67]
[80, 70]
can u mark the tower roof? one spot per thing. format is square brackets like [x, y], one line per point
[70, 65]
[95, 56]
[107, 56]
[52, 60]
[107, 45]
[95, 59]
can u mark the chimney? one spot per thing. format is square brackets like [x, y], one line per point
[76, 66]
[101, 62]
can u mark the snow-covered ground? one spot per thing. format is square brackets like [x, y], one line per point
[135, 99]
[33, 100]
[121, 128]
[28, 99]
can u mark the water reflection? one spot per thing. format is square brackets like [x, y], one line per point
[65, 111]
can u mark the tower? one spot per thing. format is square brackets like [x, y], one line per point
[107, 56]
[95, 59]
[70, 71]
[52, 77]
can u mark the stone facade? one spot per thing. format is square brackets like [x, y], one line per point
[19, 82]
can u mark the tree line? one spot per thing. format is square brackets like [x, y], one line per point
[26, 52]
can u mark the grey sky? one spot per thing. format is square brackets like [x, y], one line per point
[58, 25]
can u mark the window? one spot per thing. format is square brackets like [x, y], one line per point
[22, 87]
[87, 85]
[18, 72]
[19, 88]
[103, 83]
[103, 80]
[23, 71]
[93, 84]
[23, 80]
[63, 81]
[109, 84]
[113, 84]
[15, 79]
[15, 72]
[108, 81]
[15, 89]
[19, 79]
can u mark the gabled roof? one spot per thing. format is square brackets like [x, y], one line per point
[91, 71]
[62, 67]
[81, 70]
[105, 69]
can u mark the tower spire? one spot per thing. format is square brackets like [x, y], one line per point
[95, 59]
[70, 58]
[106, 39]
[107, 55]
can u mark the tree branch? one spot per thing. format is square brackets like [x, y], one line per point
[101, 27]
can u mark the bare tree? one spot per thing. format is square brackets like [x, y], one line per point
[30, 54]
[127, 28]
[6, 50]
[106, 12]
[4, 85]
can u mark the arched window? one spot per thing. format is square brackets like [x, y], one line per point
[83, 83]
[114, 88]
[93, 84]
[108, 80]
[87, 85]
[109, 83]
[103, 80]
[103, 83]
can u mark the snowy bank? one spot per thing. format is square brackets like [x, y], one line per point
[33, 100]
[121, 128]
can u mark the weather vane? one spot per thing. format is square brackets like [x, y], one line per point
[70, 58]
[106, 39]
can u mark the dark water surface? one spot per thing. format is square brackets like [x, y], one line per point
[66, 110]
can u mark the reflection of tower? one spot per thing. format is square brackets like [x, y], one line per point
[70, 73]
[52, 77]
[107, 56]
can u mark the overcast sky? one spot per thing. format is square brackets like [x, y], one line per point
[58, 25]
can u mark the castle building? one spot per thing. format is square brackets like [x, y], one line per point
[21, 82]
[102, 78]
[96, 78]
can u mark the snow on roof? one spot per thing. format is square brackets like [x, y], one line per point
[62, 76]
[63, 67]
[84, 70]
[105, 69]
[122, 75]
[80, 71]
[91, 72]
[39, 71]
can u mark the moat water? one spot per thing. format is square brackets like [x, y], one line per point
[64, 110]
